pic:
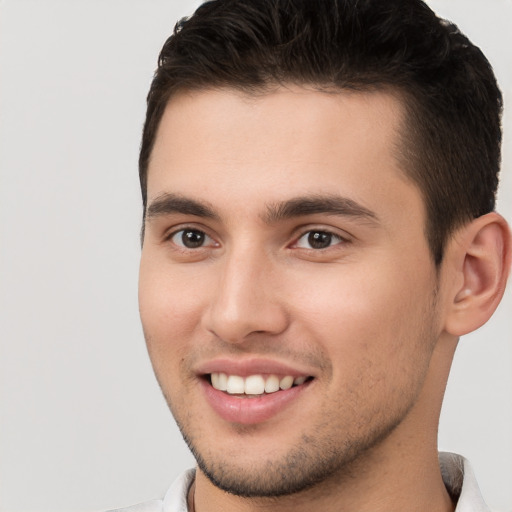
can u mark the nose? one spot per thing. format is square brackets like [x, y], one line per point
[246, 299]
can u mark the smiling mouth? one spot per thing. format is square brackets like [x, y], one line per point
[254, 386]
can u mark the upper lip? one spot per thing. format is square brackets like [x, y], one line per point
[252, 366]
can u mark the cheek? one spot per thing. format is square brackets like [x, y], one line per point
[170, 305]
[377, 335]
[376, 322]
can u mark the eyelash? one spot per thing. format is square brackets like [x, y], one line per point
[189, 230]
[314, 235]
[322, 232]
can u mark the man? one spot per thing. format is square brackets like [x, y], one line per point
[318, 182]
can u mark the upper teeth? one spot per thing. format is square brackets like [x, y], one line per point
[253, 384]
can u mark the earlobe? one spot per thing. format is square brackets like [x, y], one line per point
[481, 259]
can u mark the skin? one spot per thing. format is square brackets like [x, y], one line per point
[368, 317]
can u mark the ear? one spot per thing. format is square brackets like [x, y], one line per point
[479, 258]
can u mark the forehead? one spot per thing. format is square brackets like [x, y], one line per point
[281, 116]
[293, 141]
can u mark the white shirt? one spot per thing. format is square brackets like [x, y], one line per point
[456, 470]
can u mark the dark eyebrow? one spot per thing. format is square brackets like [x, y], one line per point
[173, 203]
[318, 204]
[167, 203]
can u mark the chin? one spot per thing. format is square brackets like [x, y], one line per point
[312, 461]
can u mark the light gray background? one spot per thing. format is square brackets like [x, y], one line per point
[82, 423]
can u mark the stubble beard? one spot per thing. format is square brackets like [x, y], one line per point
[315, 461]
[323, 456]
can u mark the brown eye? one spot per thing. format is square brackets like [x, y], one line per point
[317, 239]
[191, 238]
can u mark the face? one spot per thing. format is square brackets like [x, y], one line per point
[287, 291]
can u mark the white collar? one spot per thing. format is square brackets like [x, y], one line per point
[460, 481]
[456, 471]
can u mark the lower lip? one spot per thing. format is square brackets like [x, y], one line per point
[248, 411]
